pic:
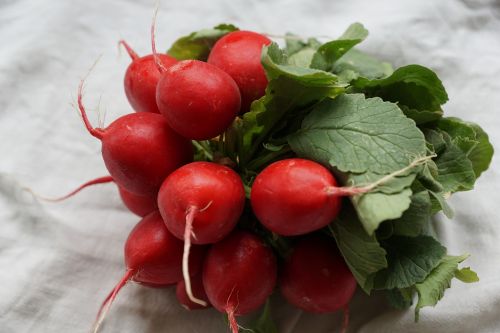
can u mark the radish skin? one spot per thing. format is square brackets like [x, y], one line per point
[289, 197]
[153, 257]
[215, 194]
[239, 274]
[155, 254]
[201, 203]
[199, 100]
[140, 205]
[238, 54]
[315, 277]
[141, 79]
[139, 150]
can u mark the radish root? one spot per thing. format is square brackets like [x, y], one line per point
[233, 324]
[345, 319]
[106, 305]
[133, 55]
[188, 232]
[100, 180]
[96, 132]
[158, 63]
[354, 190]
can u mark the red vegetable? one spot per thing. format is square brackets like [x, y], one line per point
[141, 79]
[239, 274]
[140, 205]
[213, 193]
[316, 278]
[139, 149]
[238, 54]
[293, 197]
[201, 202]
[153, 257]
[198, 100]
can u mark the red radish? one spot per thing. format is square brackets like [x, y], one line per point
[153, 257]
[201, 203]
[141, 79]
[140, 205]
[239, 274]
[139, 149]
[316, 278]
[291, 197]
[296, 196]
[198, 100]
[198, 292]
[238, 54]
[213, 192]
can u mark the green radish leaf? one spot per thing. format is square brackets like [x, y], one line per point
[432, 289]
[414, 86]
[302, 58]
[438, 202]
[410, 260]
[471, 139]
[300, 53]
[290, 89]
[422, 116]
[356, 31]
[387, 201]
[456, 128]
[400, 298]
[355, 64]
[455, 170]
[356, 135]
[294, 44]
[416, 217]
[197, 45]
[275, 63]
[466, 275]
[328, 53]
[373, 208]
[482, 154]
[435, 141]
[427, 177]
[362, 253]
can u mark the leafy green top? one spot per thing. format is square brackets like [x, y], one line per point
[197, 45]
[355, 134]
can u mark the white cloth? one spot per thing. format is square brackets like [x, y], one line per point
[59, 261]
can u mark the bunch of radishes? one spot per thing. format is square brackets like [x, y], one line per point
[213, 162]
[190, 235]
